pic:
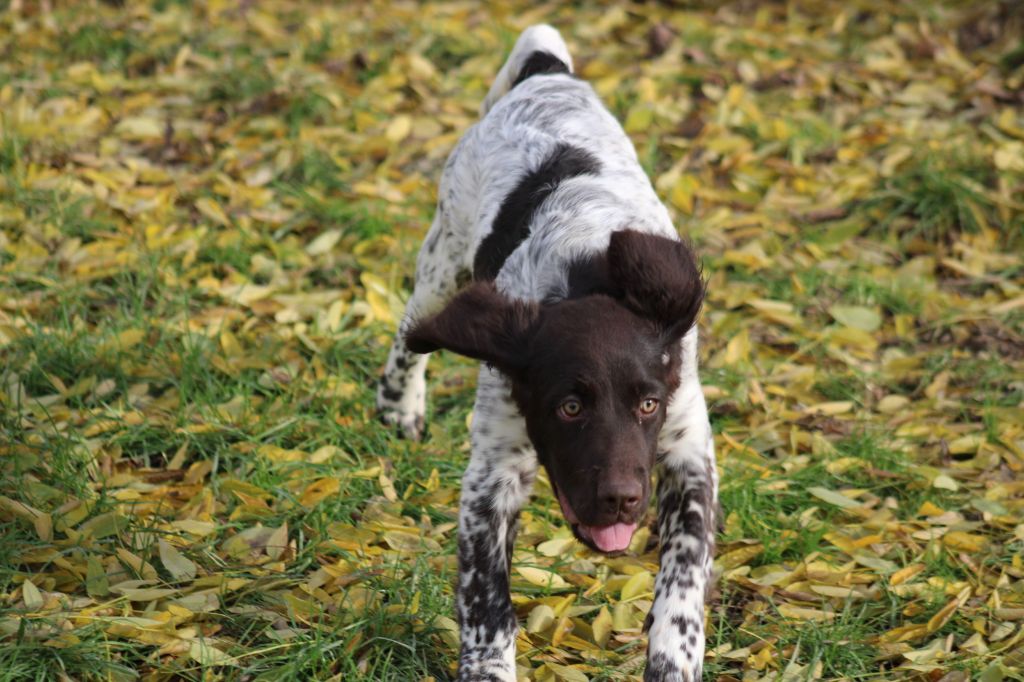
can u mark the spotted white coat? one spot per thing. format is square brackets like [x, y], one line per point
[520, 127]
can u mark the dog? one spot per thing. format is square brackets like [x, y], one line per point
[582, 307]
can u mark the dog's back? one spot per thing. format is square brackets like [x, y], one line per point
[538, 50]
[546, 176]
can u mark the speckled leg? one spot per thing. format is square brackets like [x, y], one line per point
[497, 482]
[687, 505]
[402, 391]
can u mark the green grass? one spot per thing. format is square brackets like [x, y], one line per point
[101, 42]
[841, 647]
[938, 195]
[100, 236]
[90, 659]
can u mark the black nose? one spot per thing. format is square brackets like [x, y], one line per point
[621, 496]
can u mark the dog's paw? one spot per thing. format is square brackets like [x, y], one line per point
[661, 669]
[408, 424]
[403, 407]
[404, 410]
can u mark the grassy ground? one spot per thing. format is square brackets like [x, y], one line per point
[208, 221]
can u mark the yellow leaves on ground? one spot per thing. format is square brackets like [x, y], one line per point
[177, 565]
[206, 654]
[541, 577]
[639, 584]
[319, 490]
[833, 497]
[857, 317]
[208, 224]
[31, 596]
[140, 128]
[967, 542]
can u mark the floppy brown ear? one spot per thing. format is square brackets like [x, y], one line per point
[657, 278]
[478, 323]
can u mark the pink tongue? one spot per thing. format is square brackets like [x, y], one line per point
[613, 538]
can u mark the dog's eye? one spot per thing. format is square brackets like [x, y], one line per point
[570, 409]
[649, 406]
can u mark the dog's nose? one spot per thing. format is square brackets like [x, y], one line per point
[622, 496]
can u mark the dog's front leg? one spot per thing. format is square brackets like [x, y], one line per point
[402, 390]
[497, 482]
[687, 505]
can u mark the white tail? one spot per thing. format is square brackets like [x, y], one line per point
[539, 38]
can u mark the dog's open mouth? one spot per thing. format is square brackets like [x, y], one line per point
[613, 538]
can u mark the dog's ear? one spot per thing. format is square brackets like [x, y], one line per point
[479, 323]
[657, 278]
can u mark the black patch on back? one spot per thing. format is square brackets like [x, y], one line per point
[539, 63]
[512, 225]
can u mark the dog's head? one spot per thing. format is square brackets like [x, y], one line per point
[592, 375]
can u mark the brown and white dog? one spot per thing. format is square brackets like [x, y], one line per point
[582, 307]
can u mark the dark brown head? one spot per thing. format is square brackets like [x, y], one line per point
[591, 375]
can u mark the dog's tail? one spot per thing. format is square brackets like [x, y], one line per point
[539, 49]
